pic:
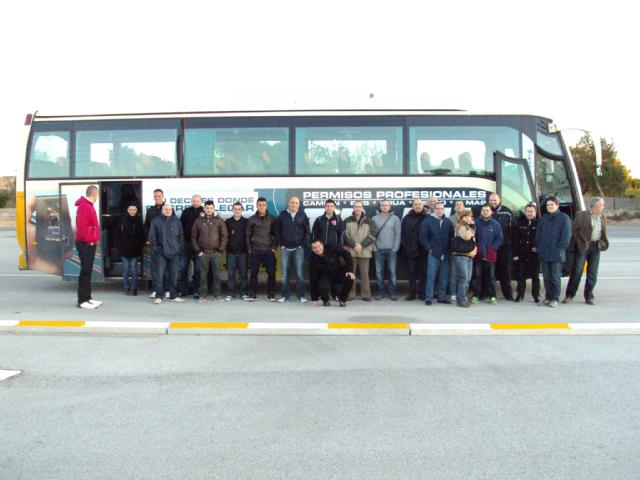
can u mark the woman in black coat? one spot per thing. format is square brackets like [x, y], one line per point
[130, 243]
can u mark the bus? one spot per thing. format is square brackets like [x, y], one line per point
[238, 156]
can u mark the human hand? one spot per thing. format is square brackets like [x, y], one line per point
[351, 275]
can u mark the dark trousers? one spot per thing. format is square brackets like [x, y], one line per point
[86, 253]
[417, 271]
[210, 261]
[169, 265]
[337, 285]
[237, 262]
[268, 259]
[551, 274]
[484, 279]
[189, 256]
[592, 257]
[503, 271]
[529, 269]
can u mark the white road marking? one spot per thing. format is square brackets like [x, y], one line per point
[4, 374]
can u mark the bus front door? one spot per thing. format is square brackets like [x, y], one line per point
[514, 182]
[69, 193]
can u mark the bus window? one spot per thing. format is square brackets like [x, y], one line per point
[125, 153]
[549, 143]
[349, 151]
[552, 179]
[49, 156]
[236, 151]
[459, 150]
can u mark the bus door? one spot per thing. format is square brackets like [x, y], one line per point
[115, 197]
[69, 193]
[514, 182]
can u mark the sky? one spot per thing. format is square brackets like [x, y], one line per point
[575, 62]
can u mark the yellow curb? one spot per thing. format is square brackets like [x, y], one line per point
[208, 325]
[528, 326]
[49, 323]
[369, 325]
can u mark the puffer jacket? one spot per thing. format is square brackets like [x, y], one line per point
[361, 231]
[261, 233]
[209, 234]
[87, 227]
[166, 237]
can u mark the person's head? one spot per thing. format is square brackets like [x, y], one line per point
[209, 208]
[92, 193]
[158, 196]
[358, 208]
[494, 200]
[385, 206]
[294, 204]
[418, 206]
[261, 205]
[132, 210]
[466, 217]
[237, 210]
[317, 247]
[486, 211]
[530, 211]
[329, 207]
[431, 202]
[596, 205]
[439, 209]
[552, 204]
[458, 206]
[167, 210]
[196, 201]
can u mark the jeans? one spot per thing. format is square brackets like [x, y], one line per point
[551, 274]
[268, 259]
[189, 256]
[86, 253]
[389, 258]
[170, 266]
[130, 269]
[484, 279]
[437, 273]
[417, 272]
[298, 258]
[592, 257]
[461, 269]
[213, 261]
[237, 262]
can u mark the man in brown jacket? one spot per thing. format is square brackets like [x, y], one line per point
[589, 238]
[209, 239]
[360, 236]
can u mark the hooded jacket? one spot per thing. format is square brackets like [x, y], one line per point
[87, 227]
[166, 237]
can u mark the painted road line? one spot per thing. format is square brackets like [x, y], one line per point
[606, 328]
[50, 323]
[529, 326]
[8, 323]
[450, 329]
[157, 328]
[208, 325]
[4, 374]
[266, 328]
[369, 325]
[368, 329]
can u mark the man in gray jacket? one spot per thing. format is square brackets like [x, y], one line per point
[386, 248]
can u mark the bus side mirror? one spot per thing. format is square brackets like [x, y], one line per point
[597, 148]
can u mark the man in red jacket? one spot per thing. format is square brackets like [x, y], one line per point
[87, 236]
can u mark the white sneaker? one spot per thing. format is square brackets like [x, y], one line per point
[153, 295]
[97, 303]
[178, 300]
[453, 298]
[157, 301]
[167, 295]
[228, 298]
[303, 300]
[87, 305]
[282, 300]
[245, 297]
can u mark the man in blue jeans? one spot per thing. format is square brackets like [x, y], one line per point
[435, 236]
[552, 239]
[388, 228]
[166, 240]
[237, 253]
[292, 234]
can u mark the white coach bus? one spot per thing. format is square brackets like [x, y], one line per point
[367, 155]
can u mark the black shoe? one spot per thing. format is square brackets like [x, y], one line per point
[134, 292]
[448, 302]
[379, 297]
[366, 299]
[410, 298]
[196, 297]
[536, 299]
[343, 304]
[393, 298]
[427, 302]
[518, 299]
[422, 297]
[326, 303]
[127, 292]
[509, 298]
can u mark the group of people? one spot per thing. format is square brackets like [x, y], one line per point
[446, 256]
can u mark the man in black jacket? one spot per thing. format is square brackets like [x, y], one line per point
[329, 270]
[188, 217]
[292, 234]
[130, 241]
[504, 216]
[237, 252]
[151, 214]
[261, 244]
[329, 227]
[414, 253]
[525, 253]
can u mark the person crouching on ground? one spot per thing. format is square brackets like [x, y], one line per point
[329, 270]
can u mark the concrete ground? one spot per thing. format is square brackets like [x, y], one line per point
[35, 296]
